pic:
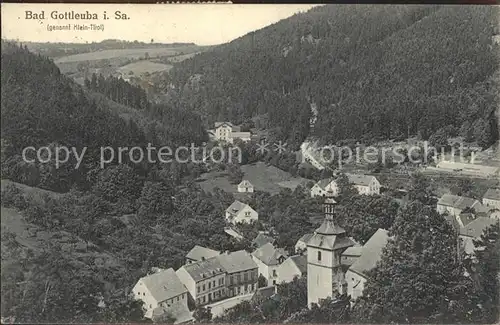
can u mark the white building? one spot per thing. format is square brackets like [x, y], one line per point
[364, 184]
[325, 275]
[205, 280]
[162, 290]
[294, 266]
[245, 187]
[200, 253]
[356, 276]
[227, 132]
[268, 258]
[491, 198]
[241, 212]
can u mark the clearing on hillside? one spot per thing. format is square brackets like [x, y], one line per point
[144, 66]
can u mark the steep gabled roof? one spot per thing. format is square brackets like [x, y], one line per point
[492, 194]
[262, 239]
[245, 183]
[476, 227]
[300, 261]
[371, 253]
[218, 124]
[204, 269]
[363, 180]
[269, 255]
[164, 285]
[236, 207]
[199, 252]
[305, 238]
[237, 261]
[323, 183]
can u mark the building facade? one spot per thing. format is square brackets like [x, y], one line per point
[205, 280]
[245, 187]
[268, 259]
[162, 289]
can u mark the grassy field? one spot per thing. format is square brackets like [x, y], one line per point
[126, 53]
[264, 178]
[143, 66]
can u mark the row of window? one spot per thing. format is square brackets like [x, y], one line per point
[236, 278]
[208, 298]
[167, 303]
[211, 284]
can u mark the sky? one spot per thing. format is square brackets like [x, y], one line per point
[203, 24]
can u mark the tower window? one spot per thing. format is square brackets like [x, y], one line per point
[319, 256]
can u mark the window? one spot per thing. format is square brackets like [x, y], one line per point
[143, 293]
[213, 284]
[182, 296]
[274, 273]
[198, 289]
[222, 281]
[203, 287]
[231, 279]
[239, 290]
[138, 293]
[203, 299]
[209, 285]
[319, 256]
[253, 286]
[177, 298]
[274, 282]
[209, 297]
[245, 277]
[150, 306]
[238, 278]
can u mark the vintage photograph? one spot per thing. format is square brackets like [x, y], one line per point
[222, 163]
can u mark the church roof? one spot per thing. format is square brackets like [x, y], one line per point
[331, 242]
[328, 227]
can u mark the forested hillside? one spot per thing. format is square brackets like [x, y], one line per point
[373, 71]
[42, 107]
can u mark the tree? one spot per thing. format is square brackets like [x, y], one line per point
[361, 215]
[439, 139]
[420, 277]
[235, 173]
[346, 188]
[261, 281]
[155, 199]
[202, 314]
[420, 189]
[487, 269]
[293, 297]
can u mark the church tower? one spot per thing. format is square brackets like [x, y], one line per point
[325, 275]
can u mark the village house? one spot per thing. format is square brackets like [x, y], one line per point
[356, 276]
[473, 230]
[455, 205]
[200, 253]
[301, 244]
[262, 238]
[245, 187]
[294, 266]
[268, 258]
[351, 254]
[325, 272]
[241, 273]
[227, 132]
[205, 280]
[241, 212]
[491, 198]
[364, 184]
[162, 291]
